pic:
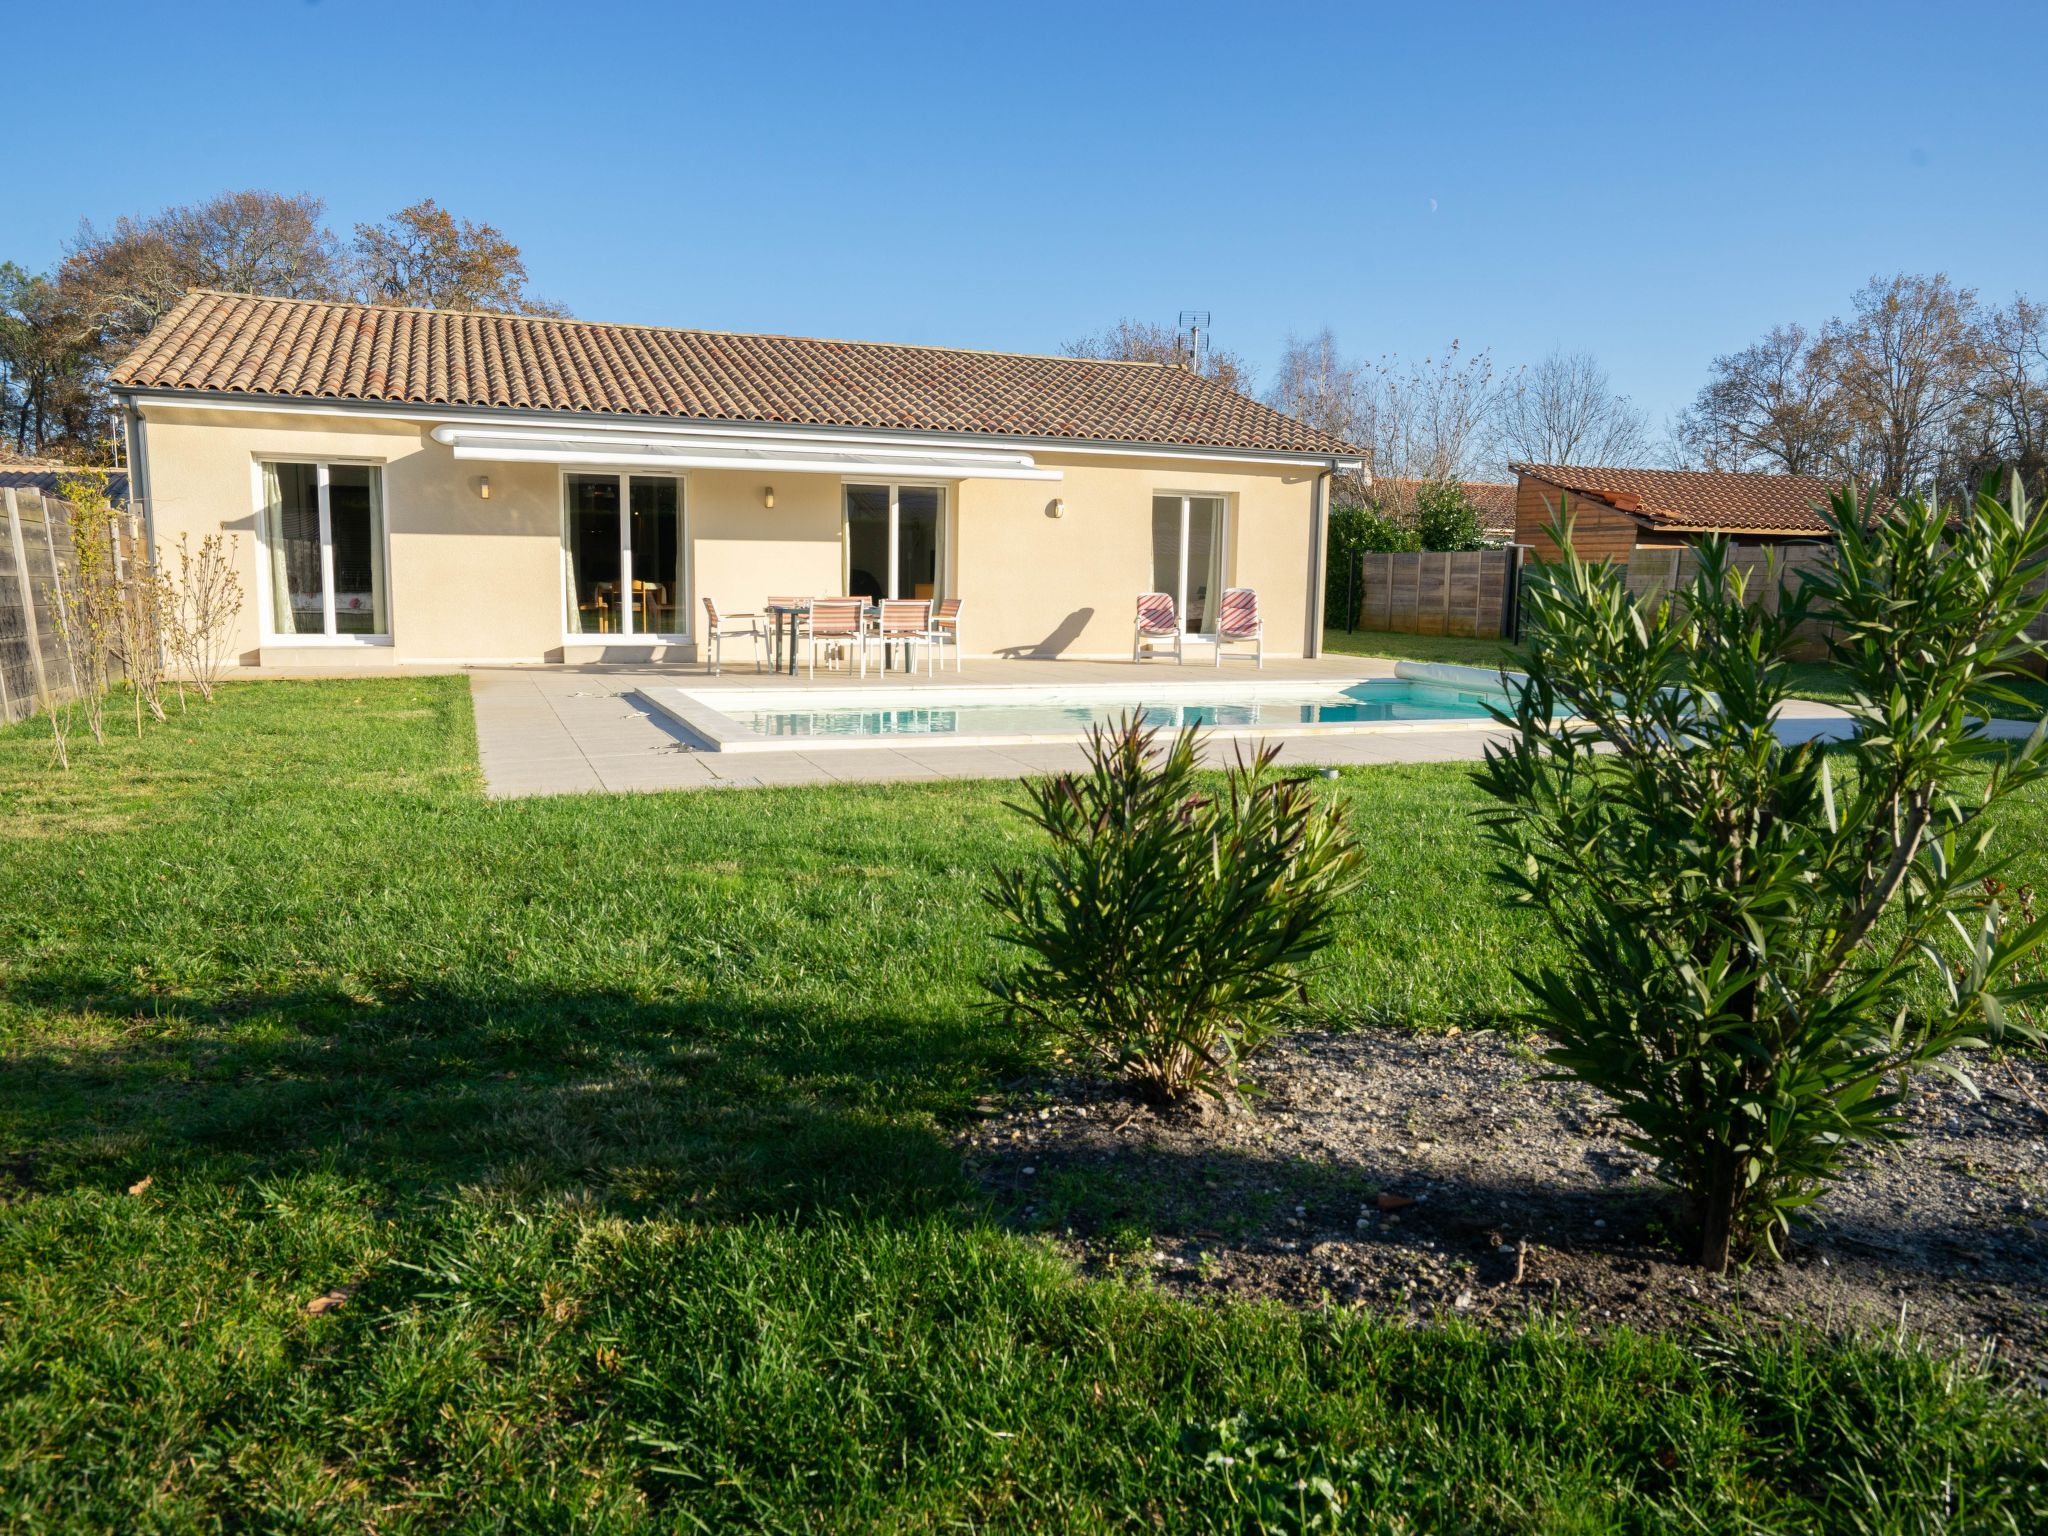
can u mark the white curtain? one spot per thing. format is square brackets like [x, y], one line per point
[281, 619]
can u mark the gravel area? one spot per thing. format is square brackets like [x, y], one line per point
[1438, 1176]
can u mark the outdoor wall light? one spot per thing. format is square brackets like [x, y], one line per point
[1059, 506]
[483, 487]
[768, 498]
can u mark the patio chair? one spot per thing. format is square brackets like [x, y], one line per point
[946, 627]
[1239, 622]
[721, 627]
[1158, 626]
[836, 621]
[901, 621]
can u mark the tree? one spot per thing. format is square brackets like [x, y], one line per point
[425, 257]
[1747, 938]
[1316, 385]
[239, 242]
[1446, 517]
[47, 400]
[1903, 366]
[1772, 406]
[1564, 411]
[2004, 428]
[1140, 341]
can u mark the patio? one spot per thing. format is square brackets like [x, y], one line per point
[564, 730]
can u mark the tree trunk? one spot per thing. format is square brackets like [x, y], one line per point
[1717, 1213]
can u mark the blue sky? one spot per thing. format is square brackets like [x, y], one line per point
[1653, 183]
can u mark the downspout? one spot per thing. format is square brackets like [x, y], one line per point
[1318, 557]
[138, 475]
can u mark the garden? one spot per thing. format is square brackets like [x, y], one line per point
[376, 1155]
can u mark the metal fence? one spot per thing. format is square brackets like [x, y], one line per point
[38, 575]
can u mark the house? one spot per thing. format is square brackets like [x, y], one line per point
[1617, 511]
[426, 486]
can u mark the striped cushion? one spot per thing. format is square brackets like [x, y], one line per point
[1155, 613]
[1240, 614]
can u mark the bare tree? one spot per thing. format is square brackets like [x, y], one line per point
[2005, 425]
[239, 242]
[1141, 341]
[1316, 385]
[1771, 406]
[426, 257]
[1430, 420]
[1904, 365]
[1564, 411]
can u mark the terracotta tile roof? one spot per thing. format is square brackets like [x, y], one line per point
[1494, 499]
[1698, 501]
[264, 346]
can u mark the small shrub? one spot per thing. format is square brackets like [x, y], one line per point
[1749, 927]
[1355, 531]
[1170, 930]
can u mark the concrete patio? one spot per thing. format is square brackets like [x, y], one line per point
[565, 730]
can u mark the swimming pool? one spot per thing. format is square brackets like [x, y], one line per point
[807, 719]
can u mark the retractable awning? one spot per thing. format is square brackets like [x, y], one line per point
[786, 453]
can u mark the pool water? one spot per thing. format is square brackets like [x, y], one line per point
[1392, 699]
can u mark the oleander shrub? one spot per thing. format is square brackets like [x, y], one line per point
[1170, 925]
[1750, 928]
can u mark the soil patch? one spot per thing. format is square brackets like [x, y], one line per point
[1439, 1176]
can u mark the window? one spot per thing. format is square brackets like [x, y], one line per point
[1187, 557]
[324, 525]
[623, 548]
[895, 541]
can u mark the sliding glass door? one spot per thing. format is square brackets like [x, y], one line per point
[895, 541]
[622, 545]
[1187, 557]
[324, 528]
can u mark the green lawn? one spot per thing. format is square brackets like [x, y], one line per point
[627, 1119]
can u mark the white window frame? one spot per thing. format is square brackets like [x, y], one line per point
[686, 575]
[1223, 521]
[942, 582]
[267, 632]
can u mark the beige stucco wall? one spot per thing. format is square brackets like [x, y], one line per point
[477, 580]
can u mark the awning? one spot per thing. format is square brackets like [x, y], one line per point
[787, 453]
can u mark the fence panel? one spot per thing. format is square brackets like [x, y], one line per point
[1468, 593]
[38, 579]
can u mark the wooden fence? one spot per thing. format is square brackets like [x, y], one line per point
[38, 574]
[1471, 592]
[1477, 593]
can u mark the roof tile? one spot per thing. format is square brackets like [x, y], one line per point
[246, 344]
[1700, 501]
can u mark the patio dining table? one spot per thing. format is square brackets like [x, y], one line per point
[783, 615]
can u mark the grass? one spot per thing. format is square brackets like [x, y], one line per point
[626, 1120]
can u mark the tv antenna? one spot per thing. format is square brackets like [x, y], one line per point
[1192, 330]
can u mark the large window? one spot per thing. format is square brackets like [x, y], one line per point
[1187, 556]
[895, 541]
[324, 528]
[623, 546]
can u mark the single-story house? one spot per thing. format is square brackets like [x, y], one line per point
[1616, 511]
[406, 485]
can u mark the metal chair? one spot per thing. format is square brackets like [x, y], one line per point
[903, 621]
[720, 627]
[946, 627]
[1158, 627]
[1239, 622]
[836, 621]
